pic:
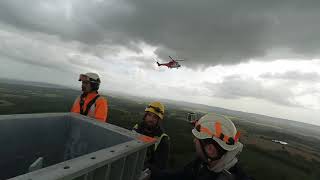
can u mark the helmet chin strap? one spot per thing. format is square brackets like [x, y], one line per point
[208, 158]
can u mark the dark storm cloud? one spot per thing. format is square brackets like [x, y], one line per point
[234, 87]
[293, 75]
[206, 32]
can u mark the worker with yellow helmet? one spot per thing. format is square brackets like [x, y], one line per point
[217, 146]
[158, 154]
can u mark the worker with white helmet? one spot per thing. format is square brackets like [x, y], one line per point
[217, 144]
[90, 103]
[158, 154]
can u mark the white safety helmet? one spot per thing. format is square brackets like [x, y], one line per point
[92, 77]
[220, 129]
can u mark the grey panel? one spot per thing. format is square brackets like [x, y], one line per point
[72, 147]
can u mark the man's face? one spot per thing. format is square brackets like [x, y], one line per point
[151, 119]
[86, 87]
[211, 150]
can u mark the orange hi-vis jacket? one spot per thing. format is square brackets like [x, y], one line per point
[98, 110]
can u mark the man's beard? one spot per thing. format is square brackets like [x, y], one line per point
[150, 127]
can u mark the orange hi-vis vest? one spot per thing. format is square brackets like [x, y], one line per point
[98, 110]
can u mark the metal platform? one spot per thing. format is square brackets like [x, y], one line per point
[68, 146]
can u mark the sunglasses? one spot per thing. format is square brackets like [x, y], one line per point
[84, 78]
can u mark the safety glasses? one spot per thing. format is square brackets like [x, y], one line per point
[83, 77]
[228, 140]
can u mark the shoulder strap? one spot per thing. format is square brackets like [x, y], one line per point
[88, 106]
[226, 175]
[81, 103]
[159, 140]
[136, 127]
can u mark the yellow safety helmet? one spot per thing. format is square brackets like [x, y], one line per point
[157, 108]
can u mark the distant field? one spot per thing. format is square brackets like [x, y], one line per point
[261, 158]
[4, 103]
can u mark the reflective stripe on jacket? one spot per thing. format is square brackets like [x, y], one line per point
[157, 155]
[159, 138]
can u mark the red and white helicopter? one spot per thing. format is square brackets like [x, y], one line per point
[172, 64]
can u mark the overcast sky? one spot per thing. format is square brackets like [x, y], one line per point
[251, 55]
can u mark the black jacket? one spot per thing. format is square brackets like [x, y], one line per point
[196, 170]
[155, 158]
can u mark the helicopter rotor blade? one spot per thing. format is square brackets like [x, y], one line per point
[176, 59]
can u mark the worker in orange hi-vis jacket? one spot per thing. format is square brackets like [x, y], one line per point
[90, 103]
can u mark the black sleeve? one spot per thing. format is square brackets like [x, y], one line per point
[169, 175]
[240, 174]
[161, 155]
[185, 173]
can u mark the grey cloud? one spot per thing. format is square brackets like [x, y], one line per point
[209, 32]
[27, 51]
[202, 32]
[85, 62]
[294, 75]
[34, 17]
[42, 50]
[98, 50]
[52, 17]
[143, 62]
[315, 92]
[234, 87]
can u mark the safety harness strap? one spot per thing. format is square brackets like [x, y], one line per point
[159, 140]
[88, 106]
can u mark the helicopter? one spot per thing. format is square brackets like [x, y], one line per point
[172, 64]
